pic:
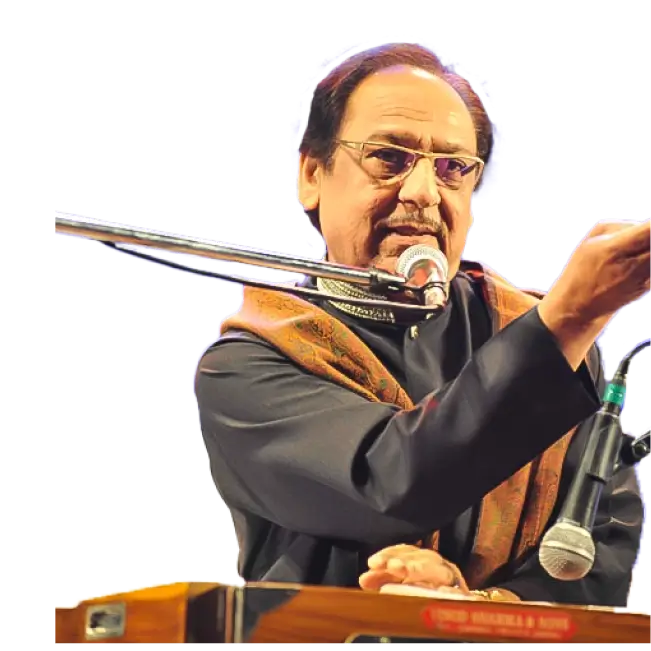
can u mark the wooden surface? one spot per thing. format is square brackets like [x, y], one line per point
[264, 612]
[153, 614]
[321, 614]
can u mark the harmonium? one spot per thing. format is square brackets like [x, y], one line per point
[273, 612]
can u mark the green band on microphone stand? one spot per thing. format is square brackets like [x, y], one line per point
[615, 393]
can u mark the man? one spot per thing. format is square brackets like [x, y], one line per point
[374, 446]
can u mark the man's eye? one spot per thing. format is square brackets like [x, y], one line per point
[391, 156]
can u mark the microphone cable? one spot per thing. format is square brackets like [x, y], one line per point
[292, 289]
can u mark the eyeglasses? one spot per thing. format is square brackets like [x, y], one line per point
[388, 164]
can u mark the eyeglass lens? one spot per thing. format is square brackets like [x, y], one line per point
[385, 163]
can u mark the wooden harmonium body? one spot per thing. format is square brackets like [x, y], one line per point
[266, 612]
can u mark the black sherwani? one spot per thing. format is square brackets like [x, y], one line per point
[317, 478]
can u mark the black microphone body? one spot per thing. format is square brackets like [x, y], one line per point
[595, 470]
[567, 550]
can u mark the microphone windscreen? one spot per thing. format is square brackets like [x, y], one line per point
[567, 551]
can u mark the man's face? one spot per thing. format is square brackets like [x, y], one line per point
[367, 224]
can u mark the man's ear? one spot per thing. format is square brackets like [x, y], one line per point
[310, 173]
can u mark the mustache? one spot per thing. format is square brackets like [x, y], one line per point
[420, 220]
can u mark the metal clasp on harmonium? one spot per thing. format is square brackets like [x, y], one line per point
[105, 621]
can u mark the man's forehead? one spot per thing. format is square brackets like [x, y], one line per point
[441, 143]
[406, 81]
[413, 100]
[404, 71]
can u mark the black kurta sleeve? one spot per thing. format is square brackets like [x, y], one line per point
[315, 458]
[616, 534]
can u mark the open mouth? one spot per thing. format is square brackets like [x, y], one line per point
[411, 230]
[408, 233]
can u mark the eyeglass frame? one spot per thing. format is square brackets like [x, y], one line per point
[359, 146]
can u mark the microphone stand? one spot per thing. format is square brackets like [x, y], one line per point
[375, 279]
[633, 450]
[567, 551]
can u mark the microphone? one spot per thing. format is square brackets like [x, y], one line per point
[567, 550]
[426, 268]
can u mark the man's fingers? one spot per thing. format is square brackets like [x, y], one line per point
[630, 241]
[422, 568]
[379, 560]
[411, 565]
[409, 573]
[617, 223]
[628, 234]
[373, 580]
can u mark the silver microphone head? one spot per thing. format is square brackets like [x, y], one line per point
[567, 551]
[425, 264]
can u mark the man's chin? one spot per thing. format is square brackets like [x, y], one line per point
[385, 263]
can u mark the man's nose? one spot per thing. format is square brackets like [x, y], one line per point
[420, 186]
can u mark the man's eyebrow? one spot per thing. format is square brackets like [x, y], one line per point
[406, 139]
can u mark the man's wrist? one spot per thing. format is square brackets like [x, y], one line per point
[574, 336]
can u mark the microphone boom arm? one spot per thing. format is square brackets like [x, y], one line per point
[372, 278]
